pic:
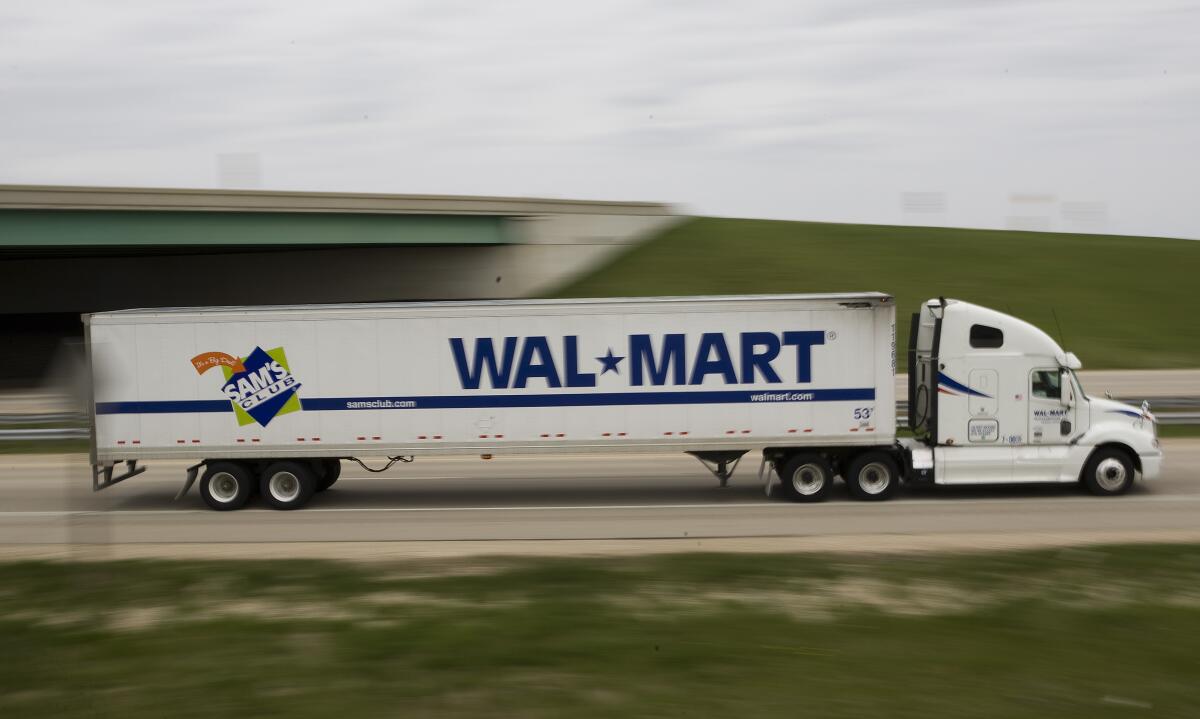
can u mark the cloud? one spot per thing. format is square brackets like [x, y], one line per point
[815, 110]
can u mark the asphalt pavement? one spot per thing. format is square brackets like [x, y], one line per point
[470, 505]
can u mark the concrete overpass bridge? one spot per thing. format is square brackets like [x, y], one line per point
[68, 250]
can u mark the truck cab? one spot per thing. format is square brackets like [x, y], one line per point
[994, 399]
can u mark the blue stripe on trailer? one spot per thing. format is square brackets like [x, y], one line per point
[600, 399]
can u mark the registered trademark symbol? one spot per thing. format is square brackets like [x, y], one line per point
[831, 335]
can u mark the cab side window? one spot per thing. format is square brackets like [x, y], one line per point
[1046, 384]
[984, 337]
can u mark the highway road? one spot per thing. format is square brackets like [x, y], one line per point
[511, 504]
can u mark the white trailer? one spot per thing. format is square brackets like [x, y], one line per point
[272, 399]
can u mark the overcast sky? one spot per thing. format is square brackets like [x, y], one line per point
[1078, 115]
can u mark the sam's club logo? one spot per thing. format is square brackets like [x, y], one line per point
[260, 386]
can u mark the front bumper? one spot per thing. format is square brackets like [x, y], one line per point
[1152, 464]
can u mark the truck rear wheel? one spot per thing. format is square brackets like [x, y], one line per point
[806, 478]
[1108, 472]
[226, 486]
[328, 471]
[288, 485]
[873, 476]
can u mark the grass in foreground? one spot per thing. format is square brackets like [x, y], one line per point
[1121, 301]
[1105, 632]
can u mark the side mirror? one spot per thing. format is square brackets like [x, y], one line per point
[1068, 360]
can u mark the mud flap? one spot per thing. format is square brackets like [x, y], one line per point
[764, 475]
[192, 472]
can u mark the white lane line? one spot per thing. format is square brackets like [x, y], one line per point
[943, 503]
[414, 478]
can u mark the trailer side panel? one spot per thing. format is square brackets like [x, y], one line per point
[527, 376]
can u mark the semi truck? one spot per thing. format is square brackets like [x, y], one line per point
[271, 401]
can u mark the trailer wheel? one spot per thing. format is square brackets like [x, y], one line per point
[806, 478]
[288, 484]
[226, 486]
[328, 469]
[873, 476]
[1108, 472]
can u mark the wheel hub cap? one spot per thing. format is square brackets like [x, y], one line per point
[808, 479]
[874, 478]
[1110, 474]
[284, 486]
[223, 487]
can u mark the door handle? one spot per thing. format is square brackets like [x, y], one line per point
[1065, 427]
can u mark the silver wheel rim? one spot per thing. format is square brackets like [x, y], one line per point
[808, 479]
[223, 487]
[284, 486]
[1110, 474]
[874, 478]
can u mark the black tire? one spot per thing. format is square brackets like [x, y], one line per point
[226, 486]
[1108, 472]
[288, 484]
[328, 470]
[806, 478]
[873, 476]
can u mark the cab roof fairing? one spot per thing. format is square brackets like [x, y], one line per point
[1020, 337]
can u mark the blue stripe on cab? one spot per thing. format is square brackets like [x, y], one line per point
[1127, 413]
[959, 386]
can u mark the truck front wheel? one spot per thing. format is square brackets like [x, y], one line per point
[873, 476]
[806, 478]
[288, 485]
[226, 486]
[1109, 471]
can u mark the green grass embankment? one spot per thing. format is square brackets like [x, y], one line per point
[1122, 302]
[1103, 632]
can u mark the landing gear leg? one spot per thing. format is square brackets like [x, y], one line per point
[721, 464]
